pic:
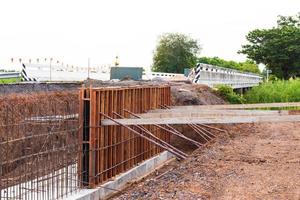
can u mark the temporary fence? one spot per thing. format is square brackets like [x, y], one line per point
[110, 150]
[38, 145]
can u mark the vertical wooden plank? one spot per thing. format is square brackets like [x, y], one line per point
[105, 174]
[101, 135]
[169, 103]
[135, 102]
[131, 147]
[110, 134]
[116, 137]
[96, 129]
[160, 96]
[141, 111]
[80, 139]
[115, 105]
[118, 134]
[92, 140]
[128, 136]
[140, 105]
[122, 131]
[149, 145]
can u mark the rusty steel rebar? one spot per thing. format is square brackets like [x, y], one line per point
[204, 130]
[211, 127]
[141, 135]
[214, 128]
[198, 132]
[152, 135]
[197, 127]
[38, 155]
[170, 130]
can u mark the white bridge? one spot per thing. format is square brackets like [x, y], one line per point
[212, 76]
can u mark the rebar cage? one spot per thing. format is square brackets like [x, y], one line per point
[38, 145]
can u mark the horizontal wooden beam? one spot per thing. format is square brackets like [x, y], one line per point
[204, 120]
[202, 113]
[233, 106]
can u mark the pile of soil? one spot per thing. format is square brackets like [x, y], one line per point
[184, 93]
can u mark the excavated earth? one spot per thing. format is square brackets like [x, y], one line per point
[251, 162]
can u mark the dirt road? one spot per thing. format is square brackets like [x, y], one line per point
[254, 162]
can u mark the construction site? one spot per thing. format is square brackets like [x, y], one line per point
[144, 140]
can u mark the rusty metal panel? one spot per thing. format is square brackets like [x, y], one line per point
[115, 149]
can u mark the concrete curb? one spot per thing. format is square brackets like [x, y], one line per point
[120, 182]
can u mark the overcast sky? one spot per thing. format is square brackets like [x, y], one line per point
[71, 31]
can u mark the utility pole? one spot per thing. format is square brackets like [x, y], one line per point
[117, 61]
[51, 69]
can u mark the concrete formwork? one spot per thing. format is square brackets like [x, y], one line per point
[109, 151]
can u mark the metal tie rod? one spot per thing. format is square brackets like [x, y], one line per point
[195, 127]
[141, 135]
[152, 135]
[173, 130]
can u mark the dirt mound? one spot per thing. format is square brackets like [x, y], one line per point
[184, 93]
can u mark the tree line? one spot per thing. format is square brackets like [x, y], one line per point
[247, 66]
[278, 48]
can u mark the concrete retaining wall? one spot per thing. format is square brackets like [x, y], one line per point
[120, 182]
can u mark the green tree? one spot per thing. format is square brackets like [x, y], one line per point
[174, 52]
[278, 48]
[248, 65]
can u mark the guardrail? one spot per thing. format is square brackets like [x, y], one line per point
[162, 75]
[214, 75]
[5, 75]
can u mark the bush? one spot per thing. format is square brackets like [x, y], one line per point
[275, 91]
[229, 95]
[10, 80]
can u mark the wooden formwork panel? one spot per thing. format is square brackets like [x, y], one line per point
[110, 150]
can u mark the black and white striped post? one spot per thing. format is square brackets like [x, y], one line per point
[197, 73]
[24, 76]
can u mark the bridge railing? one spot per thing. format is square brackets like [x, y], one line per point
[162, 75]
[213, 75]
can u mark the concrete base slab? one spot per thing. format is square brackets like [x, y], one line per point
[120, 182]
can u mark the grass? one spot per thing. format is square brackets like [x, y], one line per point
[229, 95]
[10, 80]
[275, 91]
[267, 92]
